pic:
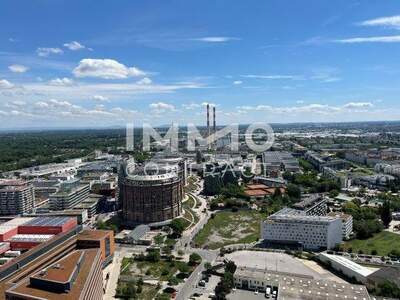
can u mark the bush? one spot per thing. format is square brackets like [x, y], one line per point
[194, 259]
[173, 281]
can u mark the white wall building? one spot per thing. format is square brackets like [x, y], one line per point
[348, 267]
[347, 223]
[293, 226]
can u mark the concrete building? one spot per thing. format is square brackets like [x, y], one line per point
[376, 181]
[70, 194]
[98, 239]
[347, 223]
[92, 204]
[276, 161]
[78, 275]
[16, 197]
[313, 205]
[56, 257]
[320, 162]
[49, 170]
[347, 267]
[294, 227]
[287, 286]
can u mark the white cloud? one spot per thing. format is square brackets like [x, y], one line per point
[161, 106]
[209, 103]
[16, 103]
[355, 105]
[74, 45]
[315, 108]
[215, 39]
[18, 68]
[144, 81]
[5, 84]
[41, 104]
[60, 103]
[44, 52]
[105, 68]
[191, 106]
[392, 22]
[372, 39]
[61, 82]
[100, 98]
[255, 76]
[237, 82]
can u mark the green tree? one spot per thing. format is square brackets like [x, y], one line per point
[177, 226]
[194, 259]
[230, 267]
[386, 214]
[293, 191]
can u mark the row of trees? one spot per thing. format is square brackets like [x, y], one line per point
[365, 219]
[227, 282]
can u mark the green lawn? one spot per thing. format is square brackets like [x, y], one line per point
[228, 228]
[382, 242]
[190, 203]
[148, 292]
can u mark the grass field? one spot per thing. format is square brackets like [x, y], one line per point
[382, 242]
[228, 228]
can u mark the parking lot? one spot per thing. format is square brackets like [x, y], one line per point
[269, 260]
[280, 262]
[243, 294]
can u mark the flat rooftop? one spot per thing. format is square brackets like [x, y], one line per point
[294, 287]
[63, 270]
[349, 264]
[93, 234]
[25, 287]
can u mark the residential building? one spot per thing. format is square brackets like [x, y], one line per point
[313, 205]
[70, 194]
[16, 197]
[92, 204]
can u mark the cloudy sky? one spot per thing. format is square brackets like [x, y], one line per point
[81, 63]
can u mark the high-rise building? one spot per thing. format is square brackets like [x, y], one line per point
[16, 197]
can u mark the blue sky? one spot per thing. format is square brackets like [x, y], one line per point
[104, 63]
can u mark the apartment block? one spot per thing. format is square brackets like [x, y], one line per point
[16, 197]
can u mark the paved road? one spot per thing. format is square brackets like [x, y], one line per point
[113, 270]
[207, 255]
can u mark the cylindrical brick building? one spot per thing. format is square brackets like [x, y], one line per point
[152, 194]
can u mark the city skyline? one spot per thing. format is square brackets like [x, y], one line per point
[70, 64]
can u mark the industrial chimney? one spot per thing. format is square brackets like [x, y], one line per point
[215, 122]
[208, 119]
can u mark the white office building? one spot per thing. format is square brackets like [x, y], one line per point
[347, 223]
[289, 226]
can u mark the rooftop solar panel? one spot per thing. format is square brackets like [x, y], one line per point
[47, 221]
